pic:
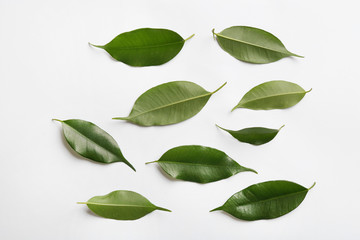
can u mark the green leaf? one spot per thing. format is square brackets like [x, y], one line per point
[199, 164]
[168, 103]
[121, 205]
[92, 142]
[265, 200]
[145, 46]
[254, 135]
[252, 45]
[272, 95]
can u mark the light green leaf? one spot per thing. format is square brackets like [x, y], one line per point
[121, 205]
[252, 45]
[168, 103]
[272, 95]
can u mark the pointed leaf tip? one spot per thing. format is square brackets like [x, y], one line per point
[216, 209]
[131, 166]
[163, 209]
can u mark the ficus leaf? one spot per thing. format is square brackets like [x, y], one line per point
[168, 103]
[145, 46]
[252, 45]
[92, 142]
[199, 164]
[121, 205]
[265, 200]
[254, 135]
[272, 95]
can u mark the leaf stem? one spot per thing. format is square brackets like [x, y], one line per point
[189, 37]
[54, 119]
[213, 32]
[281, 127]
[151, 162]
[308, 91]
[98, 46]
[120, 118]
[81, 203]
[312, 186]
[219, 88]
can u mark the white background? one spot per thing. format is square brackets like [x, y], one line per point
[47, 70]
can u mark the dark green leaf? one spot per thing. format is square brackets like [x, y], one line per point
[199, 164]
[121, 205]
[265, 200]
[145, 46]
[168, 103]
[92, 142]
[252, 45]
[272, 95]
[254, 135]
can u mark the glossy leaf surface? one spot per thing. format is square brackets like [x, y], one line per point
[252, 45]
[254, 135]
[121, 205]
[145, 46]
[168, 103]
[272, 95]
[92, 142]
[199, 164]
[265, 200]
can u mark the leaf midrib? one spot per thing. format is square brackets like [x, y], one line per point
[119, 205]
[251, 44]
[273, 198]
[149, 46]
[92, 140]
[195, 164]
[169, 105]
[270, 96]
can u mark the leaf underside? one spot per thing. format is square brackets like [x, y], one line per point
[252, 45]
[168, 103]
[266, 200]
[122, 205]
[272, 95]
[145, 47]
[199, 164]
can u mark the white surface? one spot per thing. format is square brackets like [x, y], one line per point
[47, 70]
